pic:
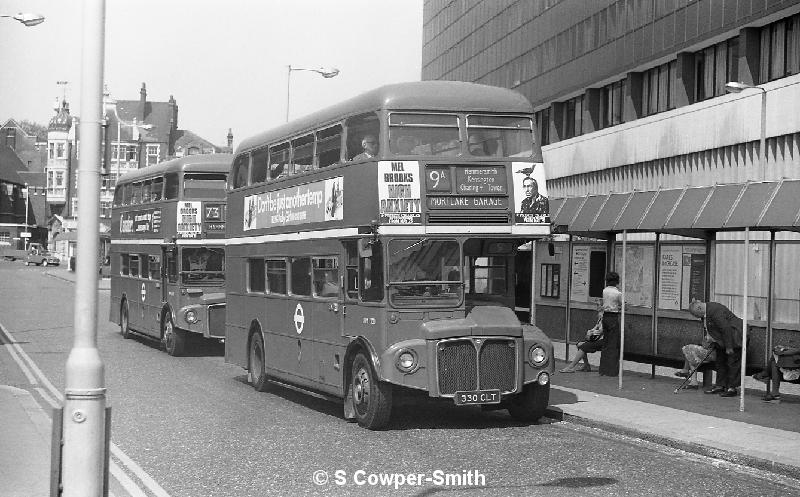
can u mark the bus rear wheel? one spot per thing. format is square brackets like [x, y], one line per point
[372, 399]
[174, 340]
[256, 373]
[531, 404]
[124, 322]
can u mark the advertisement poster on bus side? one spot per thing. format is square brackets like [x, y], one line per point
[399, 192]
[531, 204]
[310, 203]
[138, 222]
[190, 222]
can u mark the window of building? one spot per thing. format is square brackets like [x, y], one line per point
[11, 138]
[657, 88]
[611, 104]
[573, 117]
[59, 178]
[105, 208]
[780, 49]
[59, 150]
[715, 66]
[543, 125]
[51, 150]
[50, 180]
[152, 154]
[131, 154]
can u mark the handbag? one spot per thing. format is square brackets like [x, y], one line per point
[596, 332]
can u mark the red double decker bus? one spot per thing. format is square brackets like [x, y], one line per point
[371, 251]
[168, 251]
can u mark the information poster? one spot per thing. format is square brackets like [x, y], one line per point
[638, 274]
[579, 290]
[399, 192]
[694, 274]
[670, 277]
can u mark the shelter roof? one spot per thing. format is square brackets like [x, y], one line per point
[689, 211]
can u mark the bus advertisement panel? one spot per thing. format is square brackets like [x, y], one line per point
[168, 251]
[372, 251]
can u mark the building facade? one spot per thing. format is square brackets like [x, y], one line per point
[630, 95]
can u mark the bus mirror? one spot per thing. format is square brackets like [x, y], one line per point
[364, 248]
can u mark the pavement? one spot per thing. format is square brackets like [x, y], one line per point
[763, 436]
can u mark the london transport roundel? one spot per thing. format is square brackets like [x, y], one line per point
[299, 318]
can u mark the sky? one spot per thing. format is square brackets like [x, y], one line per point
[224, 61]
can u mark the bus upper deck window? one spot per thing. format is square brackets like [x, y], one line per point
[329, 146]
[136, 195]
[240, 171]
[278, 161]
[424, 134]
[360, 130]
[118, 195]
[170, 186]
[126, 194]
[260, 165]
[500, 136]
[156, 190]
[303, 154]
[146, 187]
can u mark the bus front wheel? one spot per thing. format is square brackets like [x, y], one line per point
[124, 323]
[256, 373]
[174, 340]
[531, 404]
[372, 399]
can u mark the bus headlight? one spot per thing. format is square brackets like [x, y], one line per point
[537, 355]
[191, 316]
[406, 361]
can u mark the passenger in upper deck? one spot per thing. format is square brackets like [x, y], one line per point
[476, 145]
[370, 145]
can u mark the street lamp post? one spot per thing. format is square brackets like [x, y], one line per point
[26, 18]
[112, 104]
[738, 87]
[27, 226]
[325, 72]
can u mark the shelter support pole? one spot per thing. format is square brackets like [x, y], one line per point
[744, 316]
[532, 313]
[654, 307]
[770, 296]
[568, 309]
[622, 311]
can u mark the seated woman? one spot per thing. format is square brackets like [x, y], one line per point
[695, 355]
[784, 365]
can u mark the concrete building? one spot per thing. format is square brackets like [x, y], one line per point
[630, 95]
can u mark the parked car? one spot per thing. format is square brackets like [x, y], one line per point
[40, 257]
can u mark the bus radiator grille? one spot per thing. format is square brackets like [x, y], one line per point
[498, 360]
[457, 367]
[476, 218]
[216, 320]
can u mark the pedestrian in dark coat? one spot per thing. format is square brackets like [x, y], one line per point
[725, 329]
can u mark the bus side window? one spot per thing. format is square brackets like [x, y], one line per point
[146, 187]
[136, 195]
[329, 146]
[124, 264]
[172, 266]
[303, 154]
[260, 165]
[278, 161]
[240, 171]
[326, 276]
[357, 128]
[156, 191]
[256, 278]
[126, 194]
[155, 267]
[351, 269]
[276, 276]
[300, 279]
[134, 265]
[170, 186]
[371, 270]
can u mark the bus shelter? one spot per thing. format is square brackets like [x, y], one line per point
[699, 213]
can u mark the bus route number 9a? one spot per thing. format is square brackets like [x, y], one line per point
[438, 179]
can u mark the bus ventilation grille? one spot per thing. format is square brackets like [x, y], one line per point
[216, 320]
[468, 218]
[464, 365]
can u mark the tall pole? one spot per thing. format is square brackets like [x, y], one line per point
[288, 88]
[763, 142]
[119, 145]
[27, 226]
[83, 459]
[746, 271]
